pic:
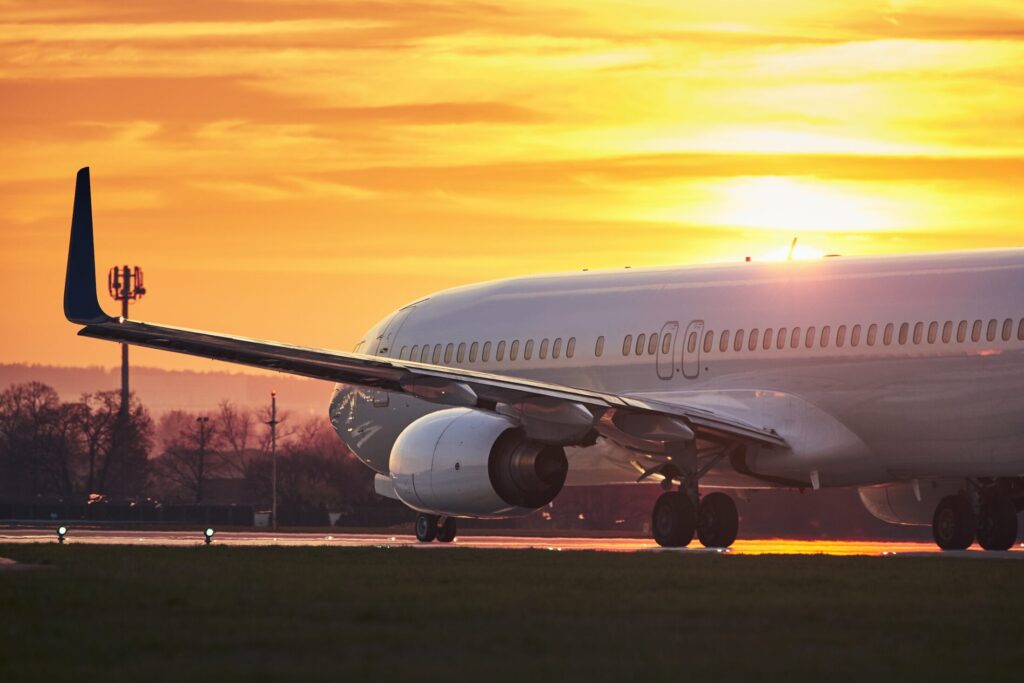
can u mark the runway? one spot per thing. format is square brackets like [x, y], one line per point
[775, 546]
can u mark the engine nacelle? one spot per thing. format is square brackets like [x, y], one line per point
[472, 463]
[905, 503]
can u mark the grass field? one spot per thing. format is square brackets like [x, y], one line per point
[219, 613]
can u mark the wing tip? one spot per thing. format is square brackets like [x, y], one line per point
[81, 304]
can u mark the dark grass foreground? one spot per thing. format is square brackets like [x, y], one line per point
[218, 613]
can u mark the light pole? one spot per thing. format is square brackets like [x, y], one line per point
[203, 421]
[273, 458]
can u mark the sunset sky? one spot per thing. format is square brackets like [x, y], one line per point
[295, 170]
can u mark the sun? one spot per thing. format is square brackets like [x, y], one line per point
[781, 203]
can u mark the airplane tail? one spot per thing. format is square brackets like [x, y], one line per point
[81, 304]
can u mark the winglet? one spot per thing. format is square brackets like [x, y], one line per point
[80, 302]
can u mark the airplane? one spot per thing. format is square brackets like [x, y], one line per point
[902, 376]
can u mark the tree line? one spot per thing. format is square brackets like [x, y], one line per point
[91, 449]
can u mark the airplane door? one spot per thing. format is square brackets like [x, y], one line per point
[691, 349]
[667, 350]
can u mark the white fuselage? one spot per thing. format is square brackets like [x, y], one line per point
[872, 369]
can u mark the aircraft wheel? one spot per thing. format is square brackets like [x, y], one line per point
[446, 532]
[718, 522]
[954, 523]
[997, 522]
[426, 527]
[674, 520]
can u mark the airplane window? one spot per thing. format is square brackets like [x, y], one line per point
[652, 344]
[462, 352]
[723, 343]
[544, 349]
[528, 350]
[691, 342]
[780, 340]
[933, 332]
[993, 326]
[809, 338]
[961, 331]
[627, 344]
[1007, 329]
[855, 335]
[947, 331]
[640, 339]
[1020, 330]
[513, 351]
[570, 347]
[737, 343]
[976, 331]
[425, 355]
[826, 333]
[499, 354]
[437, 354]
[766, 342]
[872, 334]
[918, 332]
[841, 336]
[599, 347]
[473, 349]
[666, 343]
[485, 354]
[415, 352]
[556, 348]
[794, 339]
[709, 341]
[904, 332]
[401, 354]
[752, 342]
[448, 351]
[887, 335]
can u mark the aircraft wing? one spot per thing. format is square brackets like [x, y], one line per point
[550, 411]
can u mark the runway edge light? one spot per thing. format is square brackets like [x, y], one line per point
[62, 531]
[208, 535]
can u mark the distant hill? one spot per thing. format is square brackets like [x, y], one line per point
[165, 390]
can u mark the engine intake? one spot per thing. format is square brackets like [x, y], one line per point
[472, 463]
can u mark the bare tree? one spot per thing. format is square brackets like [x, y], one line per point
[191, 452]
[237, 430]
[49, 447]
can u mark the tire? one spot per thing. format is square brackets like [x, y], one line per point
[426, 528]
[446, 532]
[954, 523]
[718, 521]
[674, 520]
[997, 522]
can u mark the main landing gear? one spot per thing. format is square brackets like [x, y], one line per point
[992, 519]
[676, 518]
[430, 527]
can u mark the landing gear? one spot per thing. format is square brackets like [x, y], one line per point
[954, 523]
[446, 532]
[426, 527]
[429, 527]
[997, 521]
[674, 520]
[718, 522]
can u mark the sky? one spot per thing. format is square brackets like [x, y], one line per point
[294, 171]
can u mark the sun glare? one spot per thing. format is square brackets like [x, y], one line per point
[799, 253]
[779, 203]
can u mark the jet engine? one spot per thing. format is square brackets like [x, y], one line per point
[472, 463]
